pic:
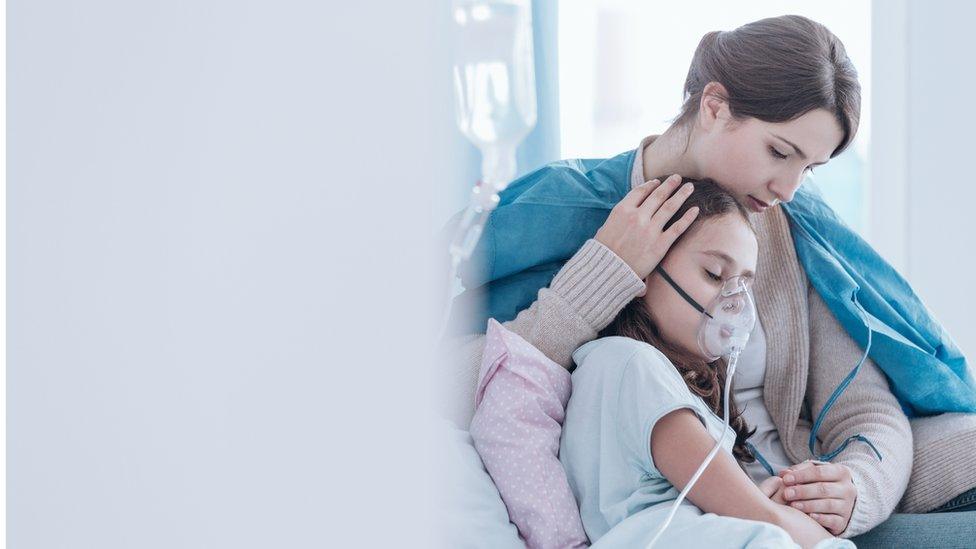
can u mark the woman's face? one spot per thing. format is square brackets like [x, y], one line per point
[714, 250]
[758, 161]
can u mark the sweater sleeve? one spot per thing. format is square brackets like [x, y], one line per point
[867, 407]
[584, 296]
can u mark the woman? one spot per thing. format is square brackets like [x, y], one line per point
[765, 104]
[647, 405]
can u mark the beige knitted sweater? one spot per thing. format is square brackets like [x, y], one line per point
[927, 461]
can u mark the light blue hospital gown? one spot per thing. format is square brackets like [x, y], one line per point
[621, 387]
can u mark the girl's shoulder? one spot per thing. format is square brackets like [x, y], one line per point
[622, 357]
[618, 347]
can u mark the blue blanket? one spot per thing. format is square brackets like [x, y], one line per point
[545, 216]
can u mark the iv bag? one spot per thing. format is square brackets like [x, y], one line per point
[729, 319]
[494, 81]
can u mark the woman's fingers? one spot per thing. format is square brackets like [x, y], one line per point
[638, 194]
[817, 490]
[829, 506]
[793, 471]
[825, 491]
[661, 206]
[835, 524]
[678, 228]
[809, 471]
[671, 205]
[660, 195]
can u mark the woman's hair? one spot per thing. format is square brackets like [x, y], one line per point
[706, 380]
[776, 70]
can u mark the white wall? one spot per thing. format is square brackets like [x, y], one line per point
[218, 271]
[925, 191]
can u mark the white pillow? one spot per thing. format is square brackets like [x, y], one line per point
[470, 510]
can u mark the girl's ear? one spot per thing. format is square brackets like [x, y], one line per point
[713, 110]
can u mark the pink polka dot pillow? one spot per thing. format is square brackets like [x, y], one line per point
[520, 406]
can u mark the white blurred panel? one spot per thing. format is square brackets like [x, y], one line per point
[219, 285]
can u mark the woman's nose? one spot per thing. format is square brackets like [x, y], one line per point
[784, 188]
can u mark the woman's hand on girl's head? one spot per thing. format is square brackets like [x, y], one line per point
[824, 491]
[635, 229]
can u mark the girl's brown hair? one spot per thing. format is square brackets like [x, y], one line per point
[707, 380]
[776, 70]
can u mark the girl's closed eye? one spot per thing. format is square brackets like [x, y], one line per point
[713, 276]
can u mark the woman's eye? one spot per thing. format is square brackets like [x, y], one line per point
[776, 153]
[713, 276]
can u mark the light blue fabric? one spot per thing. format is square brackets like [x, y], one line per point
[928, 372]
[621, 388]
[545, 216]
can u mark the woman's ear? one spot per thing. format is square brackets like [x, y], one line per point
[713, 110]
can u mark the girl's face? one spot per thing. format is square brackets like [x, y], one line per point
[714, 250]
[762, 163]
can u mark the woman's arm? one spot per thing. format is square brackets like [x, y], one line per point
[868, 408]
[585, 295]
[679, 444]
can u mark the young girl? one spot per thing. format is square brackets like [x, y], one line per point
[647, 403]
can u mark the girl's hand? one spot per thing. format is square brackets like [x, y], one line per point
[635, 229]
[824, 491]
[773, 488]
